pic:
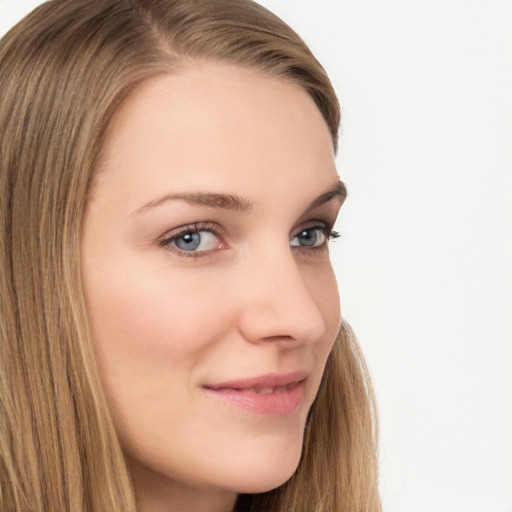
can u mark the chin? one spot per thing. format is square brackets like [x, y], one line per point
[263, 477]
[263, 485]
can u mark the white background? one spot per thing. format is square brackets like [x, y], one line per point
[425, 259]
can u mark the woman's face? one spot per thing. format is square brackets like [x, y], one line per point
[208, 283]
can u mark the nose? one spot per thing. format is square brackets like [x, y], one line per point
[278, 305]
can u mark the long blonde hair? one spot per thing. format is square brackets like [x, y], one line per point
[64, 70]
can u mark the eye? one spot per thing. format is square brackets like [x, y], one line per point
[194, 239]
[200, 240]
[314, 237]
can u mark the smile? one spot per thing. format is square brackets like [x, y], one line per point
[269, 395]
[260, 390]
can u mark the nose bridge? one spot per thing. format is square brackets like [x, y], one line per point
[278, 305]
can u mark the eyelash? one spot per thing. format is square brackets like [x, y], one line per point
[211, 227]
[196, 227]
[326, 230]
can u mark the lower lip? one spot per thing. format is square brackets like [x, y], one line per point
[273, 404]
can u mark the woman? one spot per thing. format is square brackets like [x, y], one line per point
[171, 337]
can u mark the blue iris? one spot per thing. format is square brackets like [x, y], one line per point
[188, 242]
[308, 237]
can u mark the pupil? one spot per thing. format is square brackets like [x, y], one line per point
[188, 242]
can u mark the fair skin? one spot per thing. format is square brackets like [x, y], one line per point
[205, 264]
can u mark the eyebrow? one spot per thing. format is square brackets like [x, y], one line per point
[338, 191]
[222, 201]
[236, 203]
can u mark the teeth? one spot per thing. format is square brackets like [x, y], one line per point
[224, 390]
[260, 391]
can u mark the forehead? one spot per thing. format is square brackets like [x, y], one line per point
[216, 125]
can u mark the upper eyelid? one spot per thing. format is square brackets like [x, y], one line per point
[215, 228]
[195, 227]
[313, 223]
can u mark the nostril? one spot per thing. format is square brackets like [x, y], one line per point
[291, 325]
[279, 338]
[278, 304]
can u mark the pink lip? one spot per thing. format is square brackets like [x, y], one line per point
[270, 395]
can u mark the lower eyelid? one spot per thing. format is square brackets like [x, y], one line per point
[217, 244]
[167, 241]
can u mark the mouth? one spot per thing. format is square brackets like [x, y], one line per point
[268, 395]
[259, 390]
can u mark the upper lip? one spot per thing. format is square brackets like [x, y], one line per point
[270, 380]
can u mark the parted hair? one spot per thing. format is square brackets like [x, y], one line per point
[64, 71]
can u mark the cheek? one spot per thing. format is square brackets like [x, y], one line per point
[148, 322]
[157, 332]
[322, 286]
